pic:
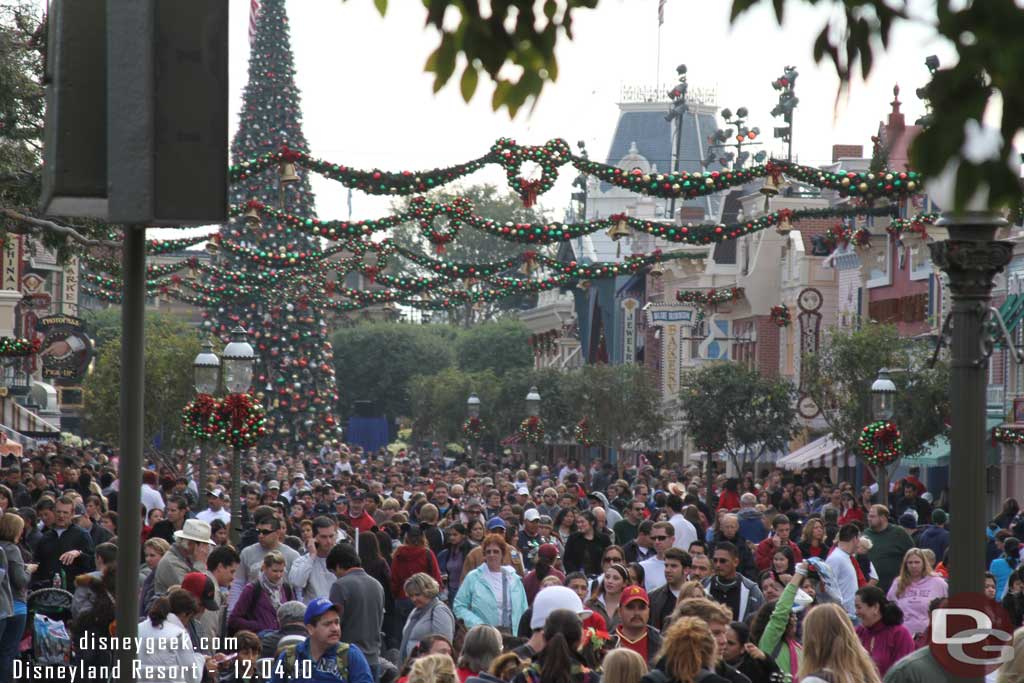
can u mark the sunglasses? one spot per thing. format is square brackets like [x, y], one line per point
[264, 532]
[721, 560]
[609, 560]
[658, 538]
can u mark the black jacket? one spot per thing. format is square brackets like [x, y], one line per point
[757, 670]
[632, 552]
[662, 604]
[581, 555]
[748, 567]
[51, 547]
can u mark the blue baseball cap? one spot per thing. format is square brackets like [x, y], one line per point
[495, 523]
[318, 607]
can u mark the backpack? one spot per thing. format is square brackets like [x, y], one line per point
[340, 651]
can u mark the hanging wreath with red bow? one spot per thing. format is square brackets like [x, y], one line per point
[582, 433]
[531, 430]
[239, 421]
[880, 443]
[473, 428]
[780, 316]
[195, 416]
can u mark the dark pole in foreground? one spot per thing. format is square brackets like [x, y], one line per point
[971, 258]
[129, 472]
[236, 497]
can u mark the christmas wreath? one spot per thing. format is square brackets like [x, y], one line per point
[531, 430]
[582, 433]
[195, 417]
[13, 346]
[880, 443]
[473, 428]
[239, 421]
[780, 316]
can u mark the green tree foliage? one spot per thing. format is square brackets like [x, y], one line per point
[840, 375]
[990, 57]
[102, 324]
[500, 346]
[733, 408]
[558, 406]
[622, 403]
[439, 402]
[171, 345]
[378, 361]
[474, 246]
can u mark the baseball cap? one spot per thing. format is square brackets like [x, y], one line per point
[523, 491]
[496, 523]
[908, 520]
[631, 593]
[317, 607]
[555, 597]
[273, 484]
[201, 587]
[939, 516]
[548, 551]
[531, 515]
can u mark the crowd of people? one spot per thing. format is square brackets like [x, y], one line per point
[412, 568]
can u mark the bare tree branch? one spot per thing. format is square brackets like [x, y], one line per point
[36, 225]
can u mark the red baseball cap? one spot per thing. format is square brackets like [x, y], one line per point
[632, 593]
[201, 586]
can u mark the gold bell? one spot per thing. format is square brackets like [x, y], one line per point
[287, 172]
[212, 246]
[784, 227]
[772, 186]
[252, 216]
[584, 284]
[656, 271]
[619, 230]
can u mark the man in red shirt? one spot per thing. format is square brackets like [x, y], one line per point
[781, 528]
[634, 632]
[357, 517]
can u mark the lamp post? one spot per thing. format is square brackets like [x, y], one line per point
[883, 407]
[206, 379]
[971, 258]
[677, 112]
[473, 410]
[533, 410]
[238, 359]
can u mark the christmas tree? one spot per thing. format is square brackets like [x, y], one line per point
[294, 376]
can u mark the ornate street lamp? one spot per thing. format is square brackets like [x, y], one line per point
[473, 411]
[206, 379]
[883, 396]
[238, 359]
[533, 403]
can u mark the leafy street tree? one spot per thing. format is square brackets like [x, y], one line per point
[473, 246]
[731, 408]
[839, 379]
[500, 346]
[622, 403]
[171, 344]
[439, 402]
[379, 361]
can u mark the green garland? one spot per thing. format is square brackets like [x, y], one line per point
[531, 430]
[1008, 435]
[11, 347]
[880, 443]
[710, 297]
[582, 433]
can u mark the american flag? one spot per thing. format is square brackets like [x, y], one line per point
[254, 10]
[661, 11]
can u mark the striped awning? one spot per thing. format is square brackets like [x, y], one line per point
[18, 422]
[822, 452]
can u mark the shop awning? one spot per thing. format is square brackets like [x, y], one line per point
[936, 456]
[822, 452]
[21, 419]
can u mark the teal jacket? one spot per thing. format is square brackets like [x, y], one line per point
[476, 604]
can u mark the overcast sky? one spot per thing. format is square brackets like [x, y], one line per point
[368, 103]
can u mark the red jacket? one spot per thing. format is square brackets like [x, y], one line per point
[729, 500]
[765, 550]
[408, 560]
[364, 522]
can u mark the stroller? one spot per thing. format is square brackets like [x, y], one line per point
[48, 639]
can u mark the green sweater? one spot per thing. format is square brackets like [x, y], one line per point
[887, 551]
[776, 628]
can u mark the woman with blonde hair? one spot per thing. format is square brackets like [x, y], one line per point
[429, 616]
[914, 588]
[1012, 671]
[688, 654]
[832, 653]
[433, 669]
[623, 666]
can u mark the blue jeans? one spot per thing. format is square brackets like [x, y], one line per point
[11, 630]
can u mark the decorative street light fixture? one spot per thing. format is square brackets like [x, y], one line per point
[206, 378]
[473, 410]
[238, 359]
[533, 403]
[971, 258]
[883, 396]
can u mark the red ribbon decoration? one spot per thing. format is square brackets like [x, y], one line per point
[530, 188]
